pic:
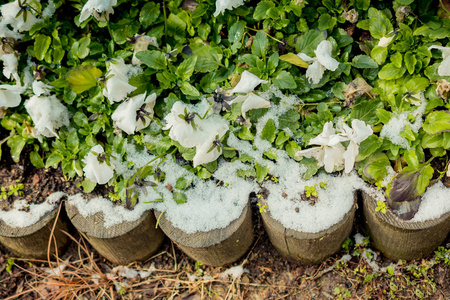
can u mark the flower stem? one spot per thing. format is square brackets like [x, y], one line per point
[275, 39]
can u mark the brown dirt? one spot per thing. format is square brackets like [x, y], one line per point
[268, 275]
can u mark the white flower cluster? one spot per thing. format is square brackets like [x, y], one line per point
[20, 15]
[331, 152]
[96, 170]
[100, 9]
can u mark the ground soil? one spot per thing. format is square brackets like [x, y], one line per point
[267, 276]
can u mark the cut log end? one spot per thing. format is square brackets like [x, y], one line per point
[399, 239]
[217, 247]
[123, 243]
[308, 248]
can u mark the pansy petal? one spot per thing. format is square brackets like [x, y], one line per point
[305, 57]
[247, 83]
[10, 95]
[315, 72]
[316, 152]
[96, 171]
[333, 157]
[444, 67]
[323, 55]
[222, 5]
[350, 156]
[254, 101]
[445, 50]
[361, 130]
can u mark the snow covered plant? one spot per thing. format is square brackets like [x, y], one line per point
[332, 154]
[19, 14]
[323, 61]
[222, 5]
[48, 114]
[141, 43]
[10, 66]
[98, 168]
[116, 86]
[135, 114]
[100, 9]
[444, 67]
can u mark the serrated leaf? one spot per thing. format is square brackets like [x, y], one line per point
[367, 111]
[410, 62]
[289, 120]
[149, 13]
[186, 68]
[261, 172]
[390, 71]
[260, 43]
[326, 22]
[363, 62]
[188, 89]
[16, 144]
[284, 80]
[261, 9]
[83, 78]
[269, 131]
[379, 54]
[153, 59]
[295, 60]
[54, 159]
[308, 42]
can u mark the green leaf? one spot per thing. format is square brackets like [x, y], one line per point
[83, 46]
[411, 158]
[308, 42]
[261, 10]
[208, 58]
[88, 186]
[367, 111]
[295, 60]
[410, 62]
[377, 170]
[260, 43]
[437, 121]
[433, 141]
[245, 134]
[153, 59]
[326, 22]
[36, 159]
[289, 120]
[362, 4]
[236, 31]
[369, 146]
[390, 71]
[186, 68]
[54, 159]
[269, 131]
[16, 144]
[83, 78]
[408, 134]
[423, 181]
[261, 172]
[311, 166]
[384, 115]
[363, 62]
[183, 183]
[417, 84]
[149, 13]
[284, 80]
[41, 45]
[176, 27]
[203, 173]
[379, 54]
[188, 89]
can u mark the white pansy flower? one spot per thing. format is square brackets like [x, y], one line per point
[141, 43]
[135, 114]
[330, 153]
[48, 114]
[222, 5]
[356, 134]
[448, 171]
[95, 170]
[116, 86]
[10, 63]
[181, 126]
[323, 61]
[444, 67]
[251, 101]
[10, 95]
[247, 83]
[210, 149]
[385, 41]
[14, 15]
[99, 8]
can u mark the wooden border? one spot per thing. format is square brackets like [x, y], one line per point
[309, 248]
[400, 239]
[122, 243]
[217, 247]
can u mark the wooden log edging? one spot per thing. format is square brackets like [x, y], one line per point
[32, 241]
[308, 248]
[217, 247]
[399, 239]
[122, 243]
